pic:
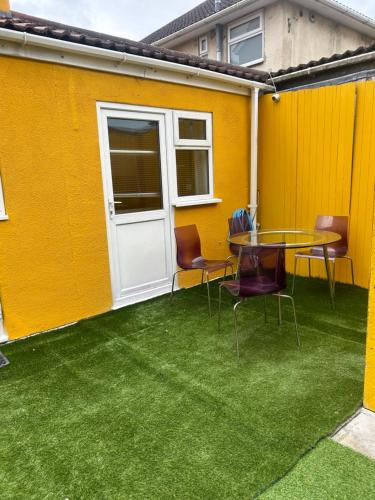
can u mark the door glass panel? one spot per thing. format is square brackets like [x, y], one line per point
[192, 172]
[135, 163]
[192, 129]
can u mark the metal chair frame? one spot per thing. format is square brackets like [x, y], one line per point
[279, 295]
[332, 260]
[205, 274]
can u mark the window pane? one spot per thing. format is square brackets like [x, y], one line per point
[192, 129]
[135, 163]
[192, 172]
[247, 51]
[133, 134]
[244, 28]
[204, 45]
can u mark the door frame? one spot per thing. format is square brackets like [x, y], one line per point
[169, 146]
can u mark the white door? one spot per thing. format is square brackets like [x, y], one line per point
[134, 155]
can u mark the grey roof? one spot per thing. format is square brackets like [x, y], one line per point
[326, 60]
[50, 29]
[201, 11]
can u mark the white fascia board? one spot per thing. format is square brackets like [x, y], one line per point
[326, 8]
[325, 67]
[29, 46]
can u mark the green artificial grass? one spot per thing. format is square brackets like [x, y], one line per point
[149, 401]
[329, 471]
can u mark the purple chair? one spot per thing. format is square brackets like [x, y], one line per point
[189, 257]
[261, 271]
[337, 224]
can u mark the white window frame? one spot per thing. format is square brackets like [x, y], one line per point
[203, 53]
[3, 214]
[247, 36]
[194, 145]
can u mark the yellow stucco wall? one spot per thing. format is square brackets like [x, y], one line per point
[4, 5]
[54, 265]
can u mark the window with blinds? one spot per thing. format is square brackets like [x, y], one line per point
[135, 163]
[193, 152]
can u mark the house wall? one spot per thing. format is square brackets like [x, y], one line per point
[290, 37]
[54, 266]
[316, 156]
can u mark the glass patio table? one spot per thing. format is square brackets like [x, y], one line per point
[291, 239]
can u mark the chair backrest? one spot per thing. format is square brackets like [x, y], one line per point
[188, 245]
[336, 224]
[258, 262]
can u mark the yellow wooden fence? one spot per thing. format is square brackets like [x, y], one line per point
[316, 157]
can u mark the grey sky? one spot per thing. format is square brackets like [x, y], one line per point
[132, 19]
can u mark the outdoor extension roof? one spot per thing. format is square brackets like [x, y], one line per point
[201, 18]
[50, 29]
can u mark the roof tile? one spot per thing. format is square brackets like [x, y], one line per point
[51, 29]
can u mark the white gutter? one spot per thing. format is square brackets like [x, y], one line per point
[324, 67]
[122, 58]
[254, 154]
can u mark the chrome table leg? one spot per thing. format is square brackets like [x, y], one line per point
[329, 277]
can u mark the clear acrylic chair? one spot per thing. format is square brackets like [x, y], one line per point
[261, 271]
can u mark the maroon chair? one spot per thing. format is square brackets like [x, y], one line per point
[261, 271]
[189, 257]
[237, 225]
[338, 250]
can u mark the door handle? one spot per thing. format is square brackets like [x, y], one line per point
[111, 208]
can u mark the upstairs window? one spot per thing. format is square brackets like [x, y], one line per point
[203, 46]
[245, 41]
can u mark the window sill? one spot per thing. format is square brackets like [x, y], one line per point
[4, 217]
[192, 203]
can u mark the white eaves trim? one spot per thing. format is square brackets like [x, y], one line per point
[29, 46]
[325, 67]
[327, 8]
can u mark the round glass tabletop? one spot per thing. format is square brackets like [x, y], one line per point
[287, 238]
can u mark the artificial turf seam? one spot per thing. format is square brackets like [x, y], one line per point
[305, 453]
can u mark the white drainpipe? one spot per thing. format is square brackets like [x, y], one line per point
[254, 154]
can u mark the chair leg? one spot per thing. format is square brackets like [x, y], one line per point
[334, 276]
[279, 309]
[219, 316]
[289, 297]
[202, 276]
[174, 278]
[265, 308]
[208, 294]
[352, 268]
[294, 274]
[236, 328]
